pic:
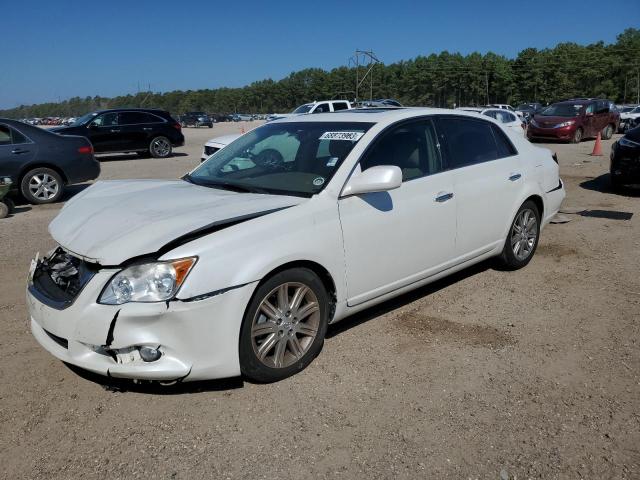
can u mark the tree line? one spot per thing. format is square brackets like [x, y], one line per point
[440, 80]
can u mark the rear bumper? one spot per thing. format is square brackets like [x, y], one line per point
[552, 202]
[84, 170]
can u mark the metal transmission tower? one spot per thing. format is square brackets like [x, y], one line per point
[369, 60]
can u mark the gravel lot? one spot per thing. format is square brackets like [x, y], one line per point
[488, 374]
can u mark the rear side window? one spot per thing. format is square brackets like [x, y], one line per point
[339, 106]
[505, 147]
[17, 137]
[468, 141]
[133, 118]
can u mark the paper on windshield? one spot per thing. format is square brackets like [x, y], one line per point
[349, 136]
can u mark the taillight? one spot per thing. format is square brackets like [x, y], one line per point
[177, 126]
[85, 150]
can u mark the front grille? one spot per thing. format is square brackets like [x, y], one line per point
[63, 342]
[210, 150]
[59, 278]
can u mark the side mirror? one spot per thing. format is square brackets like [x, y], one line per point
[375, 179]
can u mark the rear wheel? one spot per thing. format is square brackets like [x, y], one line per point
[577, 136]
[607, 132]
[284, 326]
[522, 240]
[160, 147]
[41, 185]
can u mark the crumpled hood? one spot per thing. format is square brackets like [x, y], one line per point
[113, 221]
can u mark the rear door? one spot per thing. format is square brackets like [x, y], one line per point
[16, 150]
[138, 128]
[487, 181]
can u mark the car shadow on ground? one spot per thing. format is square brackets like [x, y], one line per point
[602, 184]
[120, 157]
[406, 298]
[69, 192]
[154, 388]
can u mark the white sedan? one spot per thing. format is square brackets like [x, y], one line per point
[239, 267]
[217, 143]
[507, 118]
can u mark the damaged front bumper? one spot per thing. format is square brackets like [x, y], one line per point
[197, 339]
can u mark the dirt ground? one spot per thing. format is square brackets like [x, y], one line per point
[487, 374]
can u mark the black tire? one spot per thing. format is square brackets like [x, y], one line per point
[29, 182]
[508, 258]
[160, 147]
[607, 132]
[250, 364]
[616, 182]
[577, 136]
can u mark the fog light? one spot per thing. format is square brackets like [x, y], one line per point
[149, 354]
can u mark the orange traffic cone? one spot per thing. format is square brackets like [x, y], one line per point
[597, 148]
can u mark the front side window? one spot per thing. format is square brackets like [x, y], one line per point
[322, 108]
[106, 120]
[297, 158]
[412, 146]
[468, 141]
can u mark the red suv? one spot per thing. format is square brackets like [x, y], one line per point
[573, 120]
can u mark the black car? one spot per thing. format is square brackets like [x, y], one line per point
[625, 159]
[196, 119]
[145, 131]
[40, 163]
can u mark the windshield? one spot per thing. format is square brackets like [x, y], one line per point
[297, 158]
[563, 110]
[83, 119]
[304, 108]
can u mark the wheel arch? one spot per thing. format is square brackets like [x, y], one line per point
[539, 202]
[324, 275]
[31, 166]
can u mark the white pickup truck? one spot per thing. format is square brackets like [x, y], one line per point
[323, 106]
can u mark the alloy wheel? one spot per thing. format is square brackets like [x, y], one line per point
[43, 186]
[524, 234]
[285, 325]
[160, 147]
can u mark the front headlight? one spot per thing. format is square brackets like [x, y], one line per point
[147, 282]
[625, 142]
[564, 124]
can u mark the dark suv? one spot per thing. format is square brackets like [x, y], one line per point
[145, 131]
[573, 120]
[196, 119]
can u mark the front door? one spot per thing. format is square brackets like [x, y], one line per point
[105, 133]
[395, 238]
[16, 150]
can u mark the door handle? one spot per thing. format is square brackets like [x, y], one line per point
[18, 151]
[515, 176]
[147, 128]
[444, 196]
[114, 131]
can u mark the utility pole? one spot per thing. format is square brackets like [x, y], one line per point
[624, 98]
[373, 60]
[486, 79]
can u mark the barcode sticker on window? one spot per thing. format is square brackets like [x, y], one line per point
[349, 136]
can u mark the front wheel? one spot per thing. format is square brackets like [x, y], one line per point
[160, 147]
[577, 136]
[41, 185]
[522, 239]
[284, 326]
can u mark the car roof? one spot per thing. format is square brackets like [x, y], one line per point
[375, 115]
[152, 110]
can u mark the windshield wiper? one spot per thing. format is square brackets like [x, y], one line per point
[234, 187]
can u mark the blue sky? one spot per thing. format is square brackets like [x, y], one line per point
[59, 49]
